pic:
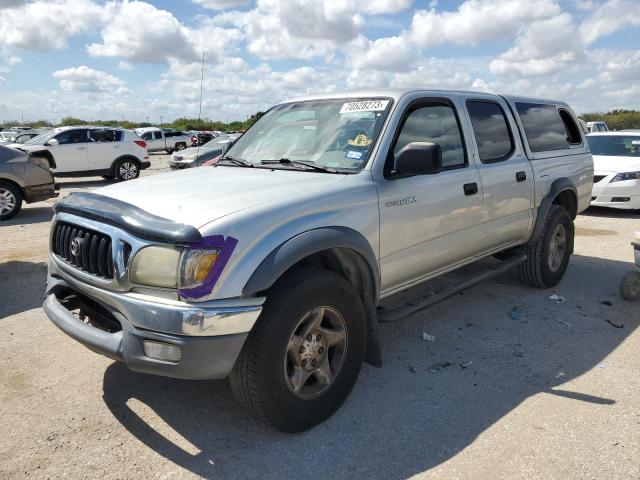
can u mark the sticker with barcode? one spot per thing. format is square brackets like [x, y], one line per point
[364, 106]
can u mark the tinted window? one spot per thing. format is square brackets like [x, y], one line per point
[601, 128]
[543, 126]
[573, 134]
[437, 124]
[72, 136]
[157, 135]
[146, 136]
[105, 135]
[490, 128]
[615, 145]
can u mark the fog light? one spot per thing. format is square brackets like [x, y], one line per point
[162, 351]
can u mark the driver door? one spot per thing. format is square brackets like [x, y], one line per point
[71, 152]
[428, 223]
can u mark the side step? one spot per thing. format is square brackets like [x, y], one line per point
[387, 315]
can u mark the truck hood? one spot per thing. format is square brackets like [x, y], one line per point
[602, 163]
[198, 196]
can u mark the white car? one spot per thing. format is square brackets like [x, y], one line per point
[85, 151]
[163, 141]
[616, 164]
[597, 127]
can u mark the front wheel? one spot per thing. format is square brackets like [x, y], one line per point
[304, 354]
[10, 200]
[126, 169]
[548, 256]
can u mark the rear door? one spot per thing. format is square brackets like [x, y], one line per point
[428, 223]
[71, 152]
[507, 178]
[105, 146]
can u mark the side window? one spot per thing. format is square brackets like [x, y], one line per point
[601, 128]
[157, 135]
[146, 136]
[72, 136]
[573, 133]
[490, 127]
[436, 124]
[543, 126]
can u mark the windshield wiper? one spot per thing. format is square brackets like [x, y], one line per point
[235, 161]
[311, 165]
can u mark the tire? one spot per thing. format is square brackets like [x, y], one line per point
[170, 151]
[630, 286]
[10, 200]
[264, 376]
[181, 146]
[538, 270]
[126, 169]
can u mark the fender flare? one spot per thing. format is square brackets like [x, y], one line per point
[313, 241]
[559, 185]
[305, 244]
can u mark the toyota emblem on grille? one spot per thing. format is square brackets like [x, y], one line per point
[76, 245]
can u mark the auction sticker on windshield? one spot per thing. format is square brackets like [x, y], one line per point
[364, 106]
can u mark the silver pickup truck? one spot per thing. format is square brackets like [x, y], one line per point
[270, 266]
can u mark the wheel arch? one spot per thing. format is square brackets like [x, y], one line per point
[562, 192]
[339, 249]
[13, 181]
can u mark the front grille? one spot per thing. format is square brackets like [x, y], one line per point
[597, 178]
[83, 248]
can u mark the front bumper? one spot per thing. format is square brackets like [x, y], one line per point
[182, 163]
[623, 195]
[210, 338]
[38, 193]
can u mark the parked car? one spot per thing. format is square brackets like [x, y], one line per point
[197, 156]
[24, 137]
[616, 160]
[23, 178]
[269, 267]
[160, 141]
[200, 138]
[597, 127]
[7, 136]
[86, 151]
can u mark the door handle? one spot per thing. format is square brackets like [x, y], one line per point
[470, 188]
[80, 148]
[521, 176]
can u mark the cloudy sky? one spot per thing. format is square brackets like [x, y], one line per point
[109, 59]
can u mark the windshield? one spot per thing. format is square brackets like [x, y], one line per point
[337, 134]
[615, 145]
[41, 139]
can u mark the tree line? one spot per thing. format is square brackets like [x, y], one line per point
[177, 124]
[615, 119]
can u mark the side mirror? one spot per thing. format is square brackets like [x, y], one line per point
[418, 158]
[53, 142]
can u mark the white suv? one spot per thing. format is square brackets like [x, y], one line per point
[86, 151]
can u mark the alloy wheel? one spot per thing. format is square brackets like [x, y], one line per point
[557, 247]
[315, 352]
[128, 171]
[7, 201]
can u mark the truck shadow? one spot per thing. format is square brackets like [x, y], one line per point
[30, 215]
[495, 346]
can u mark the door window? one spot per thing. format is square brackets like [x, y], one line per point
[436, 124]
[157, 135]
[105, 135]
[493, 136]
[72, 136]
[146, 136]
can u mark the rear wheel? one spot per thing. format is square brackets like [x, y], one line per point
[126, 169]
[181, 146]
[548, 256]
[304, 354]
[10, 200]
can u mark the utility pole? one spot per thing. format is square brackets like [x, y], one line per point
[201, 83]
[147, 118]
[160, 120]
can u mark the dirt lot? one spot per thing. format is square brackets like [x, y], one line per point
[512, 386]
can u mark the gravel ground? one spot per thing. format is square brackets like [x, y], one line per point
[512, 386]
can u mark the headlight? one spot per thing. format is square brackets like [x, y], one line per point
[157, 266]
[626, 176]
[195, 266]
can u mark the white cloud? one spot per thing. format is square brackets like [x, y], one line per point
[542, 48]
[141, 32]
[609, 17]
[220, 4]
[125, 66]
[477, 20]
[88, 80]
[46, 25]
